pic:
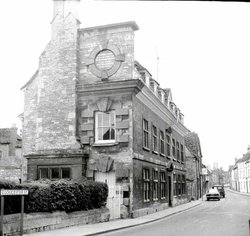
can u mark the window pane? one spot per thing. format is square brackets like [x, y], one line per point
[99, 133]
[44, 173]
[55, 173]
[106, 121]
[106, 134]
[99, 117]
[112, 133]
[66, 173]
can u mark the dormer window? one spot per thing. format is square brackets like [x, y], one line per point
[152, 86]
[143, 76]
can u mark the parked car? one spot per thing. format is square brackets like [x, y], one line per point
[213, 194]
[220, 189]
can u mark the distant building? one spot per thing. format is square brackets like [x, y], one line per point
[12, 164]
[194, 166]
[243, 166]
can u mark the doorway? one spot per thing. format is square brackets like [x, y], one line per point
[169, 191]
[115, 196]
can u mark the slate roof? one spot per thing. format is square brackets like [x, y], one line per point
[245, 158]
[7, 137]
[140, 68]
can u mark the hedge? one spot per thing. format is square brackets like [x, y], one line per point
[60, 195]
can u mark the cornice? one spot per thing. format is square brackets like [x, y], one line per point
[111, 87]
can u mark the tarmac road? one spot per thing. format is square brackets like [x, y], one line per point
[228, 217]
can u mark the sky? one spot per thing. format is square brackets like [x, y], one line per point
[203, 50]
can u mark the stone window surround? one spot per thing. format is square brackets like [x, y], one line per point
[49, 168]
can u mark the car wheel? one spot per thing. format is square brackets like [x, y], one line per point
[208, 199]
[218, 199]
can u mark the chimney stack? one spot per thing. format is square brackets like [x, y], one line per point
[64, 7]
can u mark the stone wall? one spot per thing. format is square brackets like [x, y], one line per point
[50, 98]
[36, 222]
[120, 36]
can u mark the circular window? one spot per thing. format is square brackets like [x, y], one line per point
[105, 59]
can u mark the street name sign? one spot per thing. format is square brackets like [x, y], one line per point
[13, 192]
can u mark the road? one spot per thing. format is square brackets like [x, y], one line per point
[227, 217]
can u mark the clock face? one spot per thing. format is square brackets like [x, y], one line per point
[105, 60]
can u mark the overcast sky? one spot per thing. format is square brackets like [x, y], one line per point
[203, 50]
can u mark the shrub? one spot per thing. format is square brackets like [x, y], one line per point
[38, 199]
[62, 195]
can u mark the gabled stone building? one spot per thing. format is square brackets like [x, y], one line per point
[12, 164]
[194, 166]
[92, 111]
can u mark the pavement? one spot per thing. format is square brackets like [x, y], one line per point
[111, 226]
[234, 191]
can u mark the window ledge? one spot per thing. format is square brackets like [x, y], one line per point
[104, 144]
[146, 149]
[163, 155]
[155, 152]
[174, 159]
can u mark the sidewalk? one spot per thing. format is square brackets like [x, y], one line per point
[95, 229]
[234, 191]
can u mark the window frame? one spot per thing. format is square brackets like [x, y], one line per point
[177, 151]
[49, 171]
[146, 184]
[162, 143]
[182, 153]
[163, 184]
[174, 185]
[155, 185]
[101, 141]
[183, 185]
[145, 134]
[154, 139]
[168, 145]
[173, 148]
[179, 182]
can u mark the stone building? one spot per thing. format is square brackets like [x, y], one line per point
[194, 166]
[240, 176]
[12, 164]
[91, 110]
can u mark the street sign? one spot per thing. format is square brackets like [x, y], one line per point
[13, 192]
